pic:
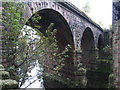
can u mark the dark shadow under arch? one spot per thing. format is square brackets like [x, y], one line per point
[87, 46]
[100, 42]
[100, 46]
[48, 16]
[64, 36]
[89, 57]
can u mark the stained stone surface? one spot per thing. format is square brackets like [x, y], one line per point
[8, 83]
[72, 24]
[5, 81]
[116, 41]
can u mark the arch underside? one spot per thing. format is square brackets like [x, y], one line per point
[64, 36]
[89, 56]
[88, 48]
[100, 42]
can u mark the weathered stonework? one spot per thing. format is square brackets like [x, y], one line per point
[116, 54]
[77, 20]
[5, 81]
[75, 28]
[116, 41]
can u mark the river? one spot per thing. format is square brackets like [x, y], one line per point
[34, 81]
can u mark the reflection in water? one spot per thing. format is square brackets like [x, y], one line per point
[33, 81]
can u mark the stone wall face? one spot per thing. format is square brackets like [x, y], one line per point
[116, 53]
[116, 42]
[76, 19]
[76, 22]
[0, 32]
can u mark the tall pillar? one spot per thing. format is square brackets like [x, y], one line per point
[0, 31]
[116, 41]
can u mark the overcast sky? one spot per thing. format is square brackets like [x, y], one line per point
[100, 10]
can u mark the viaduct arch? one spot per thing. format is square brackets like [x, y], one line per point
[65, 16]
[74, 28]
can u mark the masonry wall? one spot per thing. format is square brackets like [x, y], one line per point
[73, 24]
[116, 54]
[0, 31]
[116, 42]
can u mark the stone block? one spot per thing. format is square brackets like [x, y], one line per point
[8, 84]
[4, 75]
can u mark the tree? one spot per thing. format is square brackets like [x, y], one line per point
[86, 7]
[12, 22]
[101, 24]
[24, 45]
[110, 27]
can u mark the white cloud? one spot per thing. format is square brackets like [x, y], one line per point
[100, 10]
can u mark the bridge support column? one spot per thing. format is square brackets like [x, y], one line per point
[97, 76]
[116, 54]
[65, 78]
[76, 78]
[80, 71]
[88, 58]
[116, 42]
[89, 62]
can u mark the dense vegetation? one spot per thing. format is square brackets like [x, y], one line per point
[25, 45]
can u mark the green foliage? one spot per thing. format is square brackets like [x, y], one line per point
[107, 49]
[12, 26]
[8, 84]
[12, 22]
[81, 70]
[111, 81]
[105, 65]
[110, 27]
[86, 7]
[66, 82]
[101, 24]
[36, 46]
[25, 45]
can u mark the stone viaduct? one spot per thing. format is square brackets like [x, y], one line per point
[74, 28]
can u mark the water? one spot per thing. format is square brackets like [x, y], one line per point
[34, 81]
[34, 69]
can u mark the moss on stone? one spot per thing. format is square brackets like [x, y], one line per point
[1, 67]
[1, 84]
[66, 82]
[81, 71]
[4, 75]
[7, 84]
